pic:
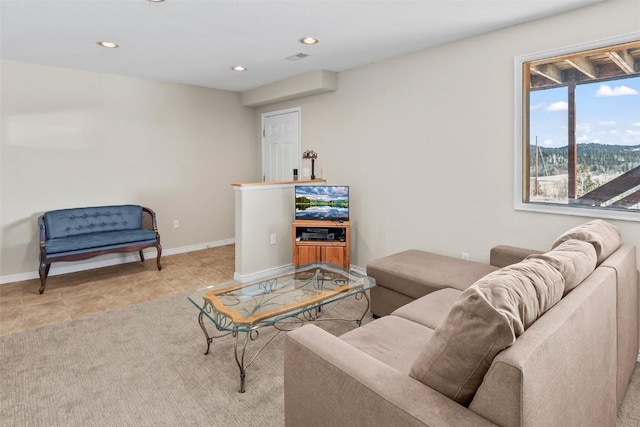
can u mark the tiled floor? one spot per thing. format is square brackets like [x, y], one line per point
[69, 296]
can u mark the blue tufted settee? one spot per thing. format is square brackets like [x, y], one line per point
[81, 233]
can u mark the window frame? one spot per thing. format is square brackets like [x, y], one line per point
[520, 128]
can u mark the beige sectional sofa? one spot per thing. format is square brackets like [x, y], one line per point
[547, 341]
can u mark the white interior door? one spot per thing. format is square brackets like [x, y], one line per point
[281, 144]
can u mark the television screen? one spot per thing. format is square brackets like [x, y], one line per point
[322, 202]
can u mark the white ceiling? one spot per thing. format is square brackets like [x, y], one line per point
[197, 42]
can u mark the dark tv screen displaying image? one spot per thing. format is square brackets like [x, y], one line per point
[322, 202]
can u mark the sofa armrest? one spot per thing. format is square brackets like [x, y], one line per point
[43, 232]
[503, 255]
[329, 382]
[43, 239]
[149, 220]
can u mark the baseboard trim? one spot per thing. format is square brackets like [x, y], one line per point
[65, 268]
[263, 274]
[358, 269]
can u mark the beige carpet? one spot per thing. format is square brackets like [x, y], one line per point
[629, 410]
[141, 365]
[144, 366]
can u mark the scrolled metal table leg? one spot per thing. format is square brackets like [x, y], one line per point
[366, 310]
[206, 334]
[240, 360]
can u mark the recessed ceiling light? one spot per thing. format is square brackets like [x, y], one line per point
[111, 45]
[239, 68]
[156, 1]
[309, 40]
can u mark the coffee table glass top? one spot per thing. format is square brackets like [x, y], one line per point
[242, 307]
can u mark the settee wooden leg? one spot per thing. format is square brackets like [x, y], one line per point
[159, 248]
[141, 256]
[43, 271]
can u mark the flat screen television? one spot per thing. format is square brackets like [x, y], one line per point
[322, 202]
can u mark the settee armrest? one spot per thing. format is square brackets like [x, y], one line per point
[149, 220]
[503, 255]
[43, 237]
[329, 382]
[43, 231]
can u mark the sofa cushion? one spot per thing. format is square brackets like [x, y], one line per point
[575, 260]
[487, 318]
[98, 240]
[605, 237]
[72, 222]
[431, 309]
[390, 339]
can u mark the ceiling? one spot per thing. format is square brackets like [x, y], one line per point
[196, 42]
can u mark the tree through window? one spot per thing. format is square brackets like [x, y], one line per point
[582, 129]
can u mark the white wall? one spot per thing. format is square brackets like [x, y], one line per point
[426, 140]
[73, 138]
[261, 211]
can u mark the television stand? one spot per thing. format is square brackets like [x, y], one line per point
[321, 241]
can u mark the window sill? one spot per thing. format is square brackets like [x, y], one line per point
[577, 211]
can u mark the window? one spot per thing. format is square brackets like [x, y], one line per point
[578, 130]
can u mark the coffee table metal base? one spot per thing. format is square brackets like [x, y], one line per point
[313, 313]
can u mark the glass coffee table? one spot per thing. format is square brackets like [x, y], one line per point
[283, 302]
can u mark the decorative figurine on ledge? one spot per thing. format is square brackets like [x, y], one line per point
[310, 154]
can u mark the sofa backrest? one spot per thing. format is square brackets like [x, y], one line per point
[604, 236]
[562, 370]
[72, 222]
[490, 315]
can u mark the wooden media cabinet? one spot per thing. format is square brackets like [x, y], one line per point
[321, 241]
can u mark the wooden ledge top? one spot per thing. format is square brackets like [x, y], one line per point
[300, 181]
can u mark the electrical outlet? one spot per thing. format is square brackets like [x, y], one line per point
[464, 255]
[272, 239]
[176, 223]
